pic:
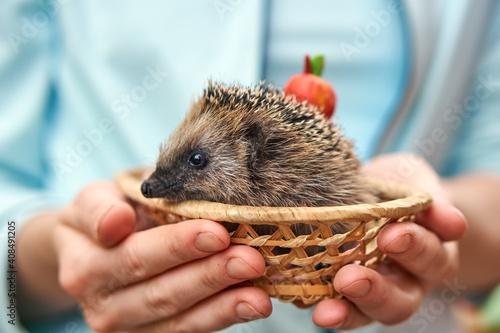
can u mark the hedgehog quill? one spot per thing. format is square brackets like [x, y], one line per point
[255, 146]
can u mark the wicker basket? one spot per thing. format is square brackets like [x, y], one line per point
[295, 275]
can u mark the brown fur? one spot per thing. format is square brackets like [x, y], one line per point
[263, 149]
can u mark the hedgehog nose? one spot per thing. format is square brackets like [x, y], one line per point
[147, 189]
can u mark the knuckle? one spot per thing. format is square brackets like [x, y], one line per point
[131, 263]
[226, 316]
[160, 301]
[181, 252]
[179, 249]
[211, 280]
[73, 281]
[419, 251]
[376, 303]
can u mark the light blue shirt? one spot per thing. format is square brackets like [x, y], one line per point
[88, 88]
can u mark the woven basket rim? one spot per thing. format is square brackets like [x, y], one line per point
[406, 201]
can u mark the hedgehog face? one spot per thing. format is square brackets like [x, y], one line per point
[199, 162]
[175, 177]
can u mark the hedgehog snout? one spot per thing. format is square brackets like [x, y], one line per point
[154, 188]
[147, 189]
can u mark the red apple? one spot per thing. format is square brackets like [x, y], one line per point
[310, 87]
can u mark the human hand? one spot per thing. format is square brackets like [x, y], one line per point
[420, 255]
[168, 278]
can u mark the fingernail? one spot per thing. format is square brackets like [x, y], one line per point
[208, 242]
[357, 289]
[238, 269]
[247, 312]
[400, 244]
[101, 217]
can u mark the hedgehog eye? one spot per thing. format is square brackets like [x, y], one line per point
[198, 160]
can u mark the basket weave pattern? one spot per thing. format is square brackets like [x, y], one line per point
[293, 271]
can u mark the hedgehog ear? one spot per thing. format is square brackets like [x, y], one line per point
[256, 140]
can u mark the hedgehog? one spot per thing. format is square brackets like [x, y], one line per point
[257, 146]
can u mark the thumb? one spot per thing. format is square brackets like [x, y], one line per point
[101, 212]
[442, 217]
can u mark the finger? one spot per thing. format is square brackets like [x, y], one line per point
[141, 256]
[75, 252]
[175, 291]
[418, 250]
[378, 296]
[444, 219]
[101, 212]
[218, 312]
[338, 314]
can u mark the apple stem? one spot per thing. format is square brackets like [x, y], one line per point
[317, 64]
[307, 65]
